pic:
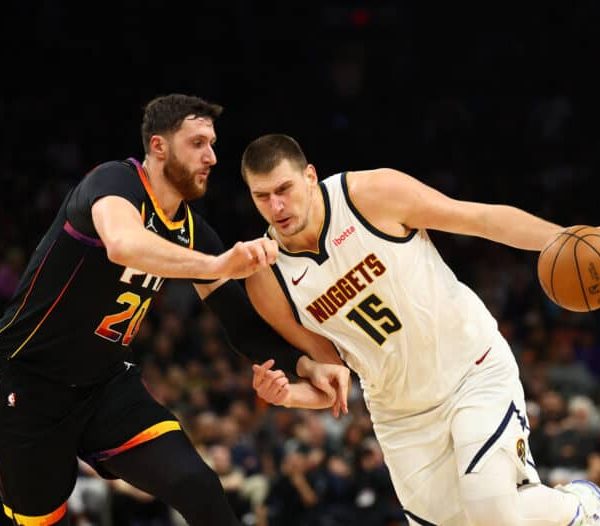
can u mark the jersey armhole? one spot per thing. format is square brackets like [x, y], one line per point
[365, 222]
[284, 287]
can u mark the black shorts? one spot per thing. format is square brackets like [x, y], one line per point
[45, 426]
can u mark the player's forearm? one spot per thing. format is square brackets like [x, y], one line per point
[147, 252]
[517, 228]
[303, 395]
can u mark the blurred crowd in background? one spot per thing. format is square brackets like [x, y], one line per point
[358, 92]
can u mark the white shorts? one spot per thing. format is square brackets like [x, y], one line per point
[427, 453]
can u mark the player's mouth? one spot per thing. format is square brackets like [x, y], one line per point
[283, 222]
[201, 177]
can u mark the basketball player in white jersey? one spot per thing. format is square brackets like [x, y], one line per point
[356, 268]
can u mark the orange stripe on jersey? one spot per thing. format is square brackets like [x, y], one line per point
[34, 279]
[50, 309]
[36, 520]
[143, 212]
[148, 434]
[171, 225]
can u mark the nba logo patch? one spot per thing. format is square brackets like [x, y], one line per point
[12, 400]
[522, 450]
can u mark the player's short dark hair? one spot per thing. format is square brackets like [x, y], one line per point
[164, 114]
[265, 153]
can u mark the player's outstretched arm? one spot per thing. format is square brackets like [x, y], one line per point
[388, 198]
[128, 243]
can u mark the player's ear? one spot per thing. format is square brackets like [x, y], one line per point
[159, 146]
[310, 172]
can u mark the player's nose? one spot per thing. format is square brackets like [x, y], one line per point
[277, 204]
[210, 157]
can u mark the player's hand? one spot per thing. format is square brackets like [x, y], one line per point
[271, 386]
[246, 257]
[332, 379]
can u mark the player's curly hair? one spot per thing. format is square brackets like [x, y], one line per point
[164, 114]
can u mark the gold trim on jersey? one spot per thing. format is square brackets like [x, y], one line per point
[36, 520]
[150, 433]
[190, 226]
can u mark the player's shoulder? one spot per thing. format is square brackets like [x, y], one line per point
[347, 176]
[370, 179]
[113, 177]
[363, 175]
[117, 167]
[114, 174]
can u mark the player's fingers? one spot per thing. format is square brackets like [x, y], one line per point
[257, 377]
[242, 249]
[258, 253]
[265, 366]
[278, 384]
[282, 395]
[270, 377]
[272, 390]
[327, 388]
[271, 250]
[343, 384]
[275, 375]
[335, 409]
[271, 381]
[260, 371]
[268, 364]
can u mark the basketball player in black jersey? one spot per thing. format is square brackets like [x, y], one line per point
[67, 388]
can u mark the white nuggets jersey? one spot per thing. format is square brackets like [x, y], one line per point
[397, 314]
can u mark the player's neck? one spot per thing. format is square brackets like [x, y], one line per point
[166, 196]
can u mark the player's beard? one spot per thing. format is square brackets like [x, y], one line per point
[182, 179]
[299, 227]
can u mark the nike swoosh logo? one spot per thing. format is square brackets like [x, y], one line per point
[296, 281]
[477, 362]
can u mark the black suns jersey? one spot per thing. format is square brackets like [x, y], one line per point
[75, 312]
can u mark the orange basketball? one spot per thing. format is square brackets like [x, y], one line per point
[569, 268]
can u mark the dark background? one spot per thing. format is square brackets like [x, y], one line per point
[496, 103]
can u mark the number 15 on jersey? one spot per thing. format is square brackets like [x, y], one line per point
[377, 321]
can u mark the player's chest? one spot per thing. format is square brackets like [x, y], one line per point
[180, 231]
